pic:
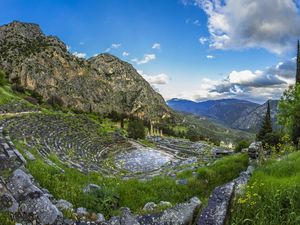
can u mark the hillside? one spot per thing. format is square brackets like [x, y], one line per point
[101, 84]
[235, 113]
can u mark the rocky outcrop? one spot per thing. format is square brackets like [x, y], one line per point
[181, 214]
[101, 84]
[252, 120]
[217, 210]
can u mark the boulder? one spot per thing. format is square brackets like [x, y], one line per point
[64, 205]
[81, 212]
[40, 209]
[91, 188]
[181, 214]
[150, 206]
[255, 149]
[218, 205]
[100, 218]
[21, 186]
[165, 204]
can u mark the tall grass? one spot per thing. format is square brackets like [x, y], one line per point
[272, 196]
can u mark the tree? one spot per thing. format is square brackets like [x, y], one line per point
[193, 134]
[289, 112]
[298, 64]
[136, 129]
[266, 127]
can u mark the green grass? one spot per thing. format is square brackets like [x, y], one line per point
[6, 219]
[6, 95]
[272, 196]
[116, 193]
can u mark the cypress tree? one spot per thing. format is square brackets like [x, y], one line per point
[298, 64]
[266, 127]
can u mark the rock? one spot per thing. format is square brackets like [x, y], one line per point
[181, 214]
[100, 218]
[40, 209]
[8, 203]
[91, 188]
[21, 186]
[149, 206]
[182, 181]
[29, 155]
[255, 149]
[165, 204]
[64, 205]
[81, 212]
[218, 205]
[125, 219]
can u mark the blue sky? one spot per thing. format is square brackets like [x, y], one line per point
[161, 38]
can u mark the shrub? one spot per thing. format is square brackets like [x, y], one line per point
[136, 129]
[55, 101]
[3, 80]
[241, 145]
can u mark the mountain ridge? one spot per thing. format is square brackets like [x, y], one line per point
[100, 84]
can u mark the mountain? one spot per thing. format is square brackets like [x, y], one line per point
[101, 84]
[252, 121]
[226, 111]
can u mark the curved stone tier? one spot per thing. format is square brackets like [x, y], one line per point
[75, 139]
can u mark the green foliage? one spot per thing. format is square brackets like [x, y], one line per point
[266, 127]
[3, 80]
[6, 219]
[193, 134]
[136, 129]
[272, 196]
[289, 112]
[240, 145]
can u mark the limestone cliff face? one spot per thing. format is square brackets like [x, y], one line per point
[100, 84]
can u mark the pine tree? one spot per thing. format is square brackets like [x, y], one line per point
[298, 64]
[266, 127]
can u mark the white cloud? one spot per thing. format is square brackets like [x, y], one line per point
[81, 43]
[79, 54]
[210, 57]
[147, 58]
[203, 40]
[113, 46]
[160, 79]
[68, 47]
[156, 46]
[238, 24]
[197, 23]
[125, 54]
[259, 85]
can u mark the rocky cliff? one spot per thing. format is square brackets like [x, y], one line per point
[101, 84]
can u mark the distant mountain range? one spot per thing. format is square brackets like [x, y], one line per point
[235, 113]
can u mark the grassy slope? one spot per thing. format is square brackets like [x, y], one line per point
[272, 196]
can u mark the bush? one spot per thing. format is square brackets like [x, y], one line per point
[55, 101]
[241, 145]
[136, 129]
[3, 80]
[193, 134]
[272, 195]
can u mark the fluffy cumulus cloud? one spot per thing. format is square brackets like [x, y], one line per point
[79, 54]
[147, 58]
[156, 46]
[259, 85]
[160, 79]
[238, 24]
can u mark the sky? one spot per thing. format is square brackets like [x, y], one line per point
[191, 49]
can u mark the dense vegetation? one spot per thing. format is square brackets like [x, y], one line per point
[272, 196]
